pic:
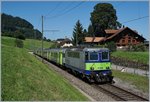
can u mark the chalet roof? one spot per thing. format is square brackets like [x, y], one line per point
[119, 31]
[94, 39]
[116, 33]
[64, 40]
[110, 31]
[67, 40]
[61, 39]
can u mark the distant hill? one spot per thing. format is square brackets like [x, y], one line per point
[14, 26]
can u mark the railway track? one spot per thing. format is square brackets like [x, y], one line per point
[119, 94]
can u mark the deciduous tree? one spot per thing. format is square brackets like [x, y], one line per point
[104, 17]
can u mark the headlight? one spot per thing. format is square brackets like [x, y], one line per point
[104, 73]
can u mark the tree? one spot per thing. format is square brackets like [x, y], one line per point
[38, 34]
[49, 40]
[104, 17]
[78, 35]
[139, 47]
[44, 38]
[18, 34]
[85, 33]
[19, 43]
[90, 31]
[12, 25]
[111, 46]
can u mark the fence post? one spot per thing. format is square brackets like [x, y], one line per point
[146, 68]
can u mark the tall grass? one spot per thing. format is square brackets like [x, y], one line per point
[24, 78]
[28, 43]
[142, 57]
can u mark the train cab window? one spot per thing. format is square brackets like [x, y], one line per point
[86, 55]
[94, 56]
[105, 56]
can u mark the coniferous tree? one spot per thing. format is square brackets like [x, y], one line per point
[78, 35]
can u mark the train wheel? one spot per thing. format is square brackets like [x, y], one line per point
[81, 76]
[89, 80]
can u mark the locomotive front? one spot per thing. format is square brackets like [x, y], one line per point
[98, 65]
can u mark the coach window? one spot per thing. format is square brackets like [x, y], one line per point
[94, 56]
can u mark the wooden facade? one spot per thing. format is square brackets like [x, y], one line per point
[122, 37]
[126, 40]
[125, 37]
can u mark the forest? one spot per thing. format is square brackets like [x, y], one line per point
[18, 28]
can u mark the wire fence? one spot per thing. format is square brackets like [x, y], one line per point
[128, 65]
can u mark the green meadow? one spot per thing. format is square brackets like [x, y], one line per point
[25, 78]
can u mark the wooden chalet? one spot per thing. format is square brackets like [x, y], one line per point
[94, 40]
[122, 37]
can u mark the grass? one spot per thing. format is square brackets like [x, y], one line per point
[28, 43]
[31, 43]
[142, 57]
[140, 82]
[24, 78]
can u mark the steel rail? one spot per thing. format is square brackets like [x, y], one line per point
[118, 93]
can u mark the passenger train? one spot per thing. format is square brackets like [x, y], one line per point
[92, 64]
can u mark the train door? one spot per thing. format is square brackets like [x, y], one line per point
[63, 57]
[82, 60]
[60, 58]
[47, 54]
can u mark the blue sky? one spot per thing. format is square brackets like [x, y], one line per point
[65, 22]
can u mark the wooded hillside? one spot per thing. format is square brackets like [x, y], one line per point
[16, 26]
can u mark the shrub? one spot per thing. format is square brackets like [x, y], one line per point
[99, 46]
[55, 45]
[112, 46]
[139, 47]
[19, 43]
[21, 37]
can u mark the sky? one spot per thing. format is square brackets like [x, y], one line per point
[63, 15]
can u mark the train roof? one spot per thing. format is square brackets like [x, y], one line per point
[95, 49]
[75, 49]
[87, 49]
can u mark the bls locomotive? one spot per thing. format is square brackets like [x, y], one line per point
[92, 64]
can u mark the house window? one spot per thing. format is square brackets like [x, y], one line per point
[129, 37]
[129, 41]
[123, 41]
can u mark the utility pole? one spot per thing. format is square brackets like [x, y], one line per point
[42, 37]
[34, 38]
[43, 33]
